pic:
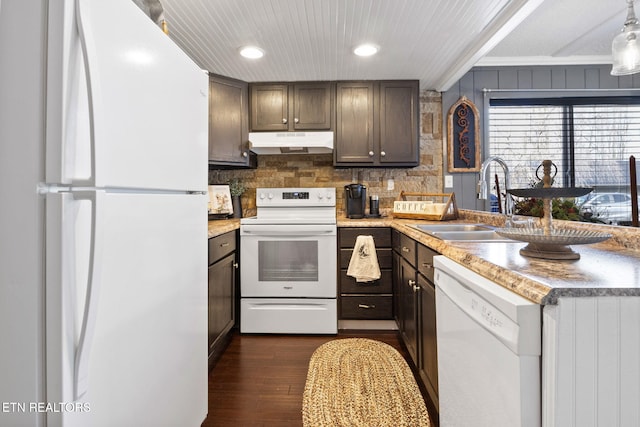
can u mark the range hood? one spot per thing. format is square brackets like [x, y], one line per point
[291, 142]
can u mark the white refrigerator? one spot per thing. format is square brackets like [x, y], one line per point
[103, 234]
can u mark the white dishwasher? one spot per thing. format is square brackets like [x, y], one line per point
[489, 342]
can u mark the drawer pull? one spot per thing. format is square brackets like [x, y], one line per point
[224, 244]
[366, 306]
[427, 265]
[405, 249]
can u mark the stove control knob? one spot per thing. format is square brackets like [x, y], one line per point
[328, 196]
[270, 196]
[261, 196]
[320, 196]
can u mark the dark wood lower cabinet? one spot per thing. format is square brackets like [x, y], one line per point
[428, 351]
[409, 309]
[365, 300]
[415, 311]
[222, 293]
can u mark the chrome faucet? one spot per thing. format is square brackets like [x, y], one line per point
[483, 187]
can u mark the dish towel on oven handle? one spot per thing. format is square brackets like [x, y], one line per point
[364, 260]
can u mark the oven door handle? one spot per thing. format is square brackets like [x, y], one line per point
[289, 230]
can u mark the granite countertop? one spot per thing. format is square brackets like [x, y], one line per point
[221, 226]
[611, 267]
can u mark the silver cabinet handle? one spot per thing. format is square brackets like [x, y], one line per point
[296, 120]
[405, 249]
[224, 244]
[411, 282]
[245, 154]
[427, 265]
[371, 153]
[284, 121]
[235, 265]
[416, 288]
[382, 153]
[366, 306]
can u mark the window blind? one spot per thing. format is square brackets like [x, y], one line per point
[589, 140]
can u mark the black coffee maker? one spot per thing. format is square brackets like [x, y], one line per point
[356, 199]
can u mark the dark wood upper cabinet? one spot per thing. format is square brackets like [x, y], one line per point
[399, 121]
[354, 123]
[377, 124]
[269, 107]
[291, 106]
[312, 106]
[228, 122]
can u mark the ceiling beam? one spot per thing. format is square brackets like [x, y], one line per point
[512, 15]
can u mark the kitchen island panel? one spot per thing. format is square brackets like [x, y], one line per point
[591, 348]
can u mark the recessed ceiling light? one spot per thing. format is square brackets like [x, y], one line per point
[251, 52]
[366, 50]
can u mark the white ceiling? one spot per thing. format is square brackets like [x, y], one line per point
[434, 41]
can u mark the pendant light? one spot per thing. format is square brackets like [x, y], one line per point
[626, 46]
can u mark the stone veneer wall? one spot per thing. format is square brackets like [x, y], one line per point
[317, 170]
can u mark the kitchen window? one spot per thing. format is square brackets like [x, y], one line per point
[589, 139]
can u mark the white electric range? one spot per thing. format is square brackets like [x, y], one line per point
[288, 281]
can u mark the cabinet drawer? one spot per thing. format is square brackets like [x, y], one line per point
[348, 284]
[381, 236]
[385, 259]
[222, 245]
[366, 307]
[425, 261]
[408, 249]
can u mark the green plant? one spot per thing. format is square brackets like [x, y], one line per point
[560, 209]
[236, 187]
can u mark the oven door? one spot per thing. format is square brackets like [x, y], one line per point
[292, 260]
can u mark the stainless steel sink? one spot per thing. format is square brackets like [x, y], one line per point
[428, 228]
[462, 232]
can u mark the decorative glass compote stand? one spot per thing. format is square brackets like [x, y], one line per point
[547, 242]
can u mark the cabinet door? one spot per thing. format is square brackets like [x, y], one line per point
[228, 121]
[312, 106]
[408, 308]
[354, 123]
[221, 299]
[428, 349]
[269, 107]
[399, 107]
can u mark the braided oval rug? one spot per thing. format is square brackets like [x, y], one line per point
[361, 382]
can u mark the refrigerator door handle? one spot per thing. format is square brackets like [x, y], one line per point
[83, 350]
[86, 42]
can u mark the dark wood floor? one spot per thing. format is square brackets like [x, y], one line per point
[259, 379]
